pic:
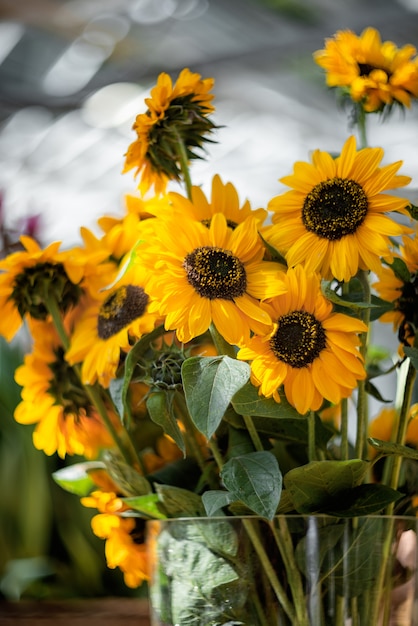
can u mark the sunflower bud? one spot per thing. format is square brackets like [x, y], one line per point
[174, 125]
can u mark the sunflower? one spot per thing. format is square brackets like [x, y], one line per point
[29, 278]
[332, 220]
[200, 275]
[401, 288]
[108, 328]
[54, 400]
[176, 113]
[224, 199]
[125, 540]
[372, 73]
[311, 351]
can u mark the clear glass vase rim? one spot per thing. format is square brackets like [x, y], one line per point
[406, 518]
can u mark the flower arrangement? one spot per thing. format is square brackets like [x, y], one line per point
[207, 359]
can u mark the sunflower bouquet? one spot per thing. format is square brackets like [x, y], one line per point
[209, 360]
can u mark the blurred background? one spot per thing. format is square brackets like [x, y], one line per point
[73, 75]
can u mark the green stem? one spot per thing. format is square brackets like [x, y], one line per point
[93, 393]
[402, 427]
[255, 437]
[54, 311]
[385, 563]
[311, 436]
[129, 455]
[269, 571]
[216, 453]
[344, 408]
[362, 408]
[190, 431]
[344, 430]
[361, 125]
[284, 542]
[184, 165]
[394, 473]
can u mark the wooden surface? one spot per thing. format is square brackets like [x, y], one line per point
[100, 612]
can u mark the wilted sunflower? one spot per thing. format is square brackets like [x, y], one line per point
[224, 199]
[333, 220]
[311, 351]
[200, 275]
[108, 328]
[54, 399]
[30, 278]
[401, 288]
[176, 113]
[372, 73]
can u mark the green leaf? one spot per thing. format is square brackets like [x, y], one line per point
[373, 391]
[184, 473]
[254, 479]
[239, 439]
[147, 505]
[219, 536]
[75, 478]
[116, 390]
[246, 401]
[197, 578]
[388, 448]
[362, 500]
[400, 269]
[128, 480]
[178, 502]
[350, 300]
[313, 486]
[292, 430]
[379, 307]
[274, 254]
[161, 411]
[412, 353]
[209, 385]
[215, 500]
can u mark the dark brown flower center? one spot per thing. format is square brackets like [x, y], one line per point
[365, 69]
[232, 225]
[35, 284]
[407, 304]
[215, 273]
[299, 339]
[65, 387]
[335, 208]
[121, 308]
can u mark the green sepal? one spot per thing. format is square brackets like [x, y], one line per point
[76, 478]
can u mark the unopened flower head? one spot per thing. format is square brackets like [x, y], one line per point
[177, 115]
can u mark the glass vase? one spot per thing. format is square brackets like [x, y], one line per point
[292, 571]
